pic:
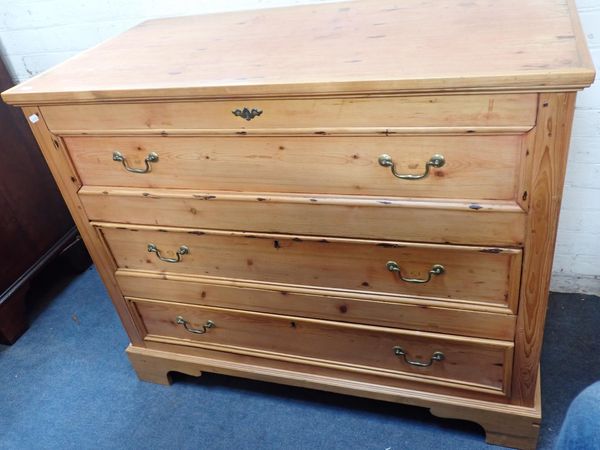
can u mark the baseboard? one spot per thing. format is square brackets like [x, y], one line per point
[575, 284]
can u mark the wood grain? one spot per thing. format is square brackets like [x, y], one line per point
[287, 131]
[367, 46]
[68, 183]
[549, 162]
[505, 424]
[316, 114]
[471, 274]
[524, 180]
[462, 222]
[366, 308]
[288, 216]
[478, 362]
[508, 430]
[476, 167]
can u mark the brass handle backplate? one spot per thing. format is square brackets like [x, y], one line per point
[437, 356]
[436, 161]
[436, 269]
[181, 321]
[183, 250]
[151, 158]
[246, 113]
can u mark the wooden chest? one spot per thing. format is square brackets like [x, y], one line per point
[357, 197]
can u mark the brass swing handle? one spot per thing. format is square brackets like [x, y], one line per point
[437, 356]
[436, 161]
[181, 321]
[183, 250]
[436, 269]
[151, 158]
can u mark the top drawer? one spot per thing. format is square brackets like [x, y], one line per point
[384, 113]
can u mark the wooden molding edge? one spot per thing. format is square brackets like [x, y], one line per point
[302, 132]
[472, 206]
[533, 82]
[504, 424]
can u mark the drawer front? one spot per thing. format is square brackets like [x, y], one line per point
[472, 167]
[497, 110]
[431, 358]
[407, 313]
[495, 223]
[461, 274]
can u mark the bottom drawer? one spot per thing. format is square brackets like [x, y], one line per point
[468, 363]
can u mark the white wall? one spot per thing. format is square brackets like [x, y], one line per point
[577, 259]
[37, 34]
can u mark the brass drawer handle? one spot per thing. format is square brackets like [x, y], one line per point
[437, 356]
[246, 113]
[436, 269]
[151, 158]
[436, 161]
[183, 250]
[181, 321]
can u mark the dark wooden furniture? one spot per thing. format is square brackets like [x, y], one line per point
[35, 225]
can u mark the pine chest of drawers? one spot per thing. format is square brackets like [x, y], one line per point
[357, 197]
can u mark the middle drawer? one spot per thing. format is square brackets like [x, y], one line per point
[453, 167]
[475, 275]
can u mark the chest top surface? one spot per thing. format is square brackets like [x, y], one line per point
[357, 47]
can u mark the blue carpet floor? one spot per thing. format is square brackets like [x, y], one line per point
[67, 384]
